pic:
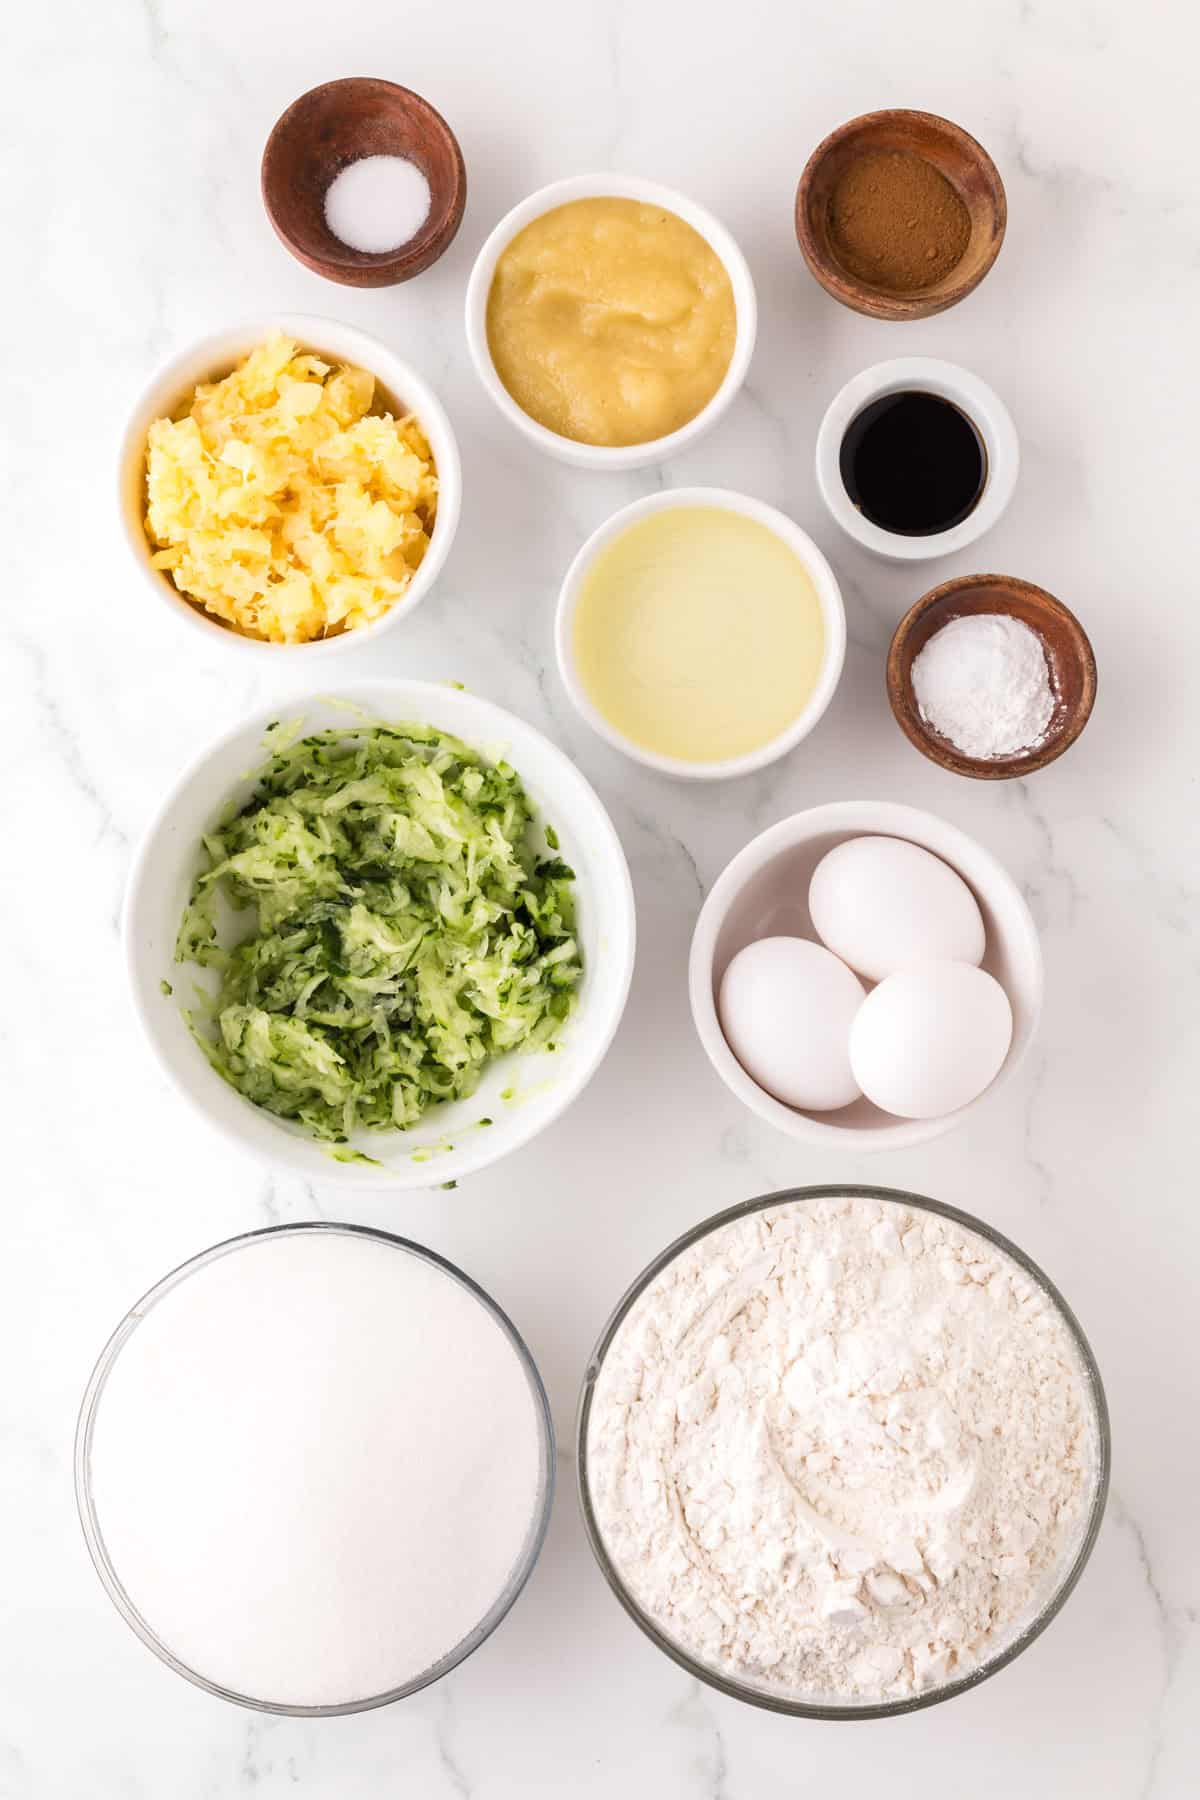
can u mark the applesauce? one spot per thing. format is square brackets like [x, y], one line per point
[611, 321]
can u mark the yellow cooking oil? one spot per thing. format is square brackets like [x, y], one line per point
[698, 634]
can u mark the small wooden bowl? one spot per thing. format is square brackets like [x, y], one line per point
[1068, 653]
[334, 125]
[965, 164]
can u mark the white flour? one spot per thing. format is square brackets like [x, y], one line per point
[842, 1449]
[982, 681]
[315, 1463]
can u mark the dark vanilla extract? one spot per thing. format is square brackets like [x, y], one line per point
[914, 464]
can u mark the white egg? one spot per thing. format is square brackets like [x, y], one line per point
[882, 904]
[929, 1039]
[786, 1007]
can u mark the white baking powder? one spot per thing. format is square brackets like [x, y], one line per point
[982, 681]
[842, 1449]
[315, 1463]
[377, 203]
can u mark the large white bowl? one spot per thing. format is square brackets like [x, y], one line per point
[216, 355]
[833, 618]
[764, 892]
[599, 187]
[449, 1142]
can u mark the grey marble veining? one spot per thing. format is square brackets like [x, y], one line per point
[132, 222]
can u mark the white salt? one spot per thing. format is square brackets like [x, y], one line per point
[377, 203]
[315, 1465]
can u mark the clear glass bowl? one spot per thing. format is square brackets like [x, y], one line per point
[522, 1568]
[782, 1702]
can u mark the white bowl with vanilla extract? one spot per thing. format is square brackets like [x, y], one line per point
[905, 525]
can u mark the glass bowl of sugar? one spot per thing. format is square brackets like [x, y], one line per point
[314, 1467]
[843, 1452]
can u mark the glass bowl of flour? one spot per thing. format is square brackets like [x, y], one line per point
[315, 1467]
[843, 1452]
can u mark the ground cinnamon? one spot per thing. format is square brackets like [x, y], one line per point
[896, 222]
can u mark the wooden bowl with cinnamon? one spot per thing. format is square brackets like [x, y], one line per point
[900, 214]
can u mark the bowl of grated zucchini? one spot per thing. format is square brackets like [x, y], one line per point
[383, 936]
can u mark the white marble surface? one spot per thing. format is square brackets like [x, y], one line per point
[131, 223]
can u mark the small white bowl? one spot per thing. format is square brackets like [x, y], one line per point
[984, 408]
[764, 892]
[448, 1143]
[595, 187]
[833, 615]
[215, 356]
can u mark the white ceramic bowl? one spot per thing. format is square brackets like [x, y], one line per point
[593, 187]
[448, 1143]
[833, 615]
[764, 892]
[217, 355]
[964, 390]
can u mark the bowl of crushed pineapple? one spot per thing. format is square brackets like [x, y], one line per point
[287, 485]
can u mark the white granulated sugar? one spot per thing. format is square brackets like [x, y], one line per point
[315, 1464]
[982, 681]
[842, 1449]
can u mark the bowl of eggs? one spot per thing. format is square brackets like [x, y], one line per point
[863, 973]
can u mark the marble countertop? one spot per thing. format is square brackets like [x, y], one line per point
[135, 224]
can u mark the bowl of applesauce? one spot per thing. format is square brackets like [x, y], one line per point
[611, 320]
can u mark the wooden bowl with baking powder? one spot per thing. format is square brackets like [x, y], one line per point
[1069, 657]
[965, 164]
[334, 125]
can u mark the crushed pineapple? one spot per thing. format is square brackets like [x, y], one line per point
[278, 501]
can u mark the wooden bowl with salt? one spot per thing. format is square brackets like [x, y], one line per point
[337, 124]
[1069, 660]
[908, 140]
